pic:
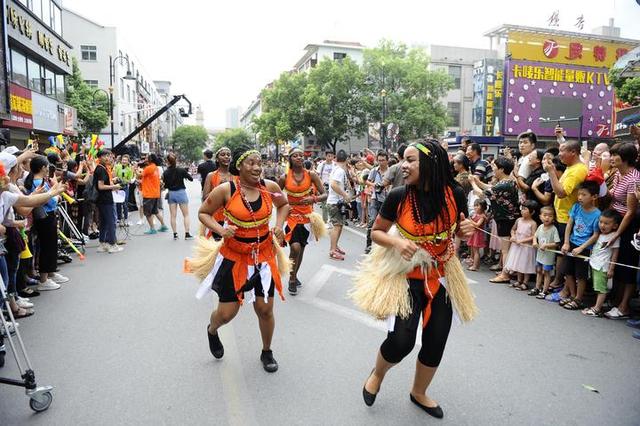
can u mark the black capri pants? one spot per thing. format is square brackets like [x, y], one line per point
[400, 342]
[47, 230]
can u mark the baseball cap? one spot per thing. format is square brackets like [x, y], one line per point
[11, 150]
[8, 160]
[370, 159]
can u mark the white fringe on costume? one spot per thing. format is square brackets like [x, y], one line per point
[265, 278]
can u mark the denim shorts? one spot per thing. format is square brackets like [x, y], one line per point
[545, 267]
[178, 197]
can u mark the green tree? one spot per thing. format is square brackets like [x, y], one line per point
[93, 111]
[189, 141]
[627, 88]
[413, 92]
[232, 139]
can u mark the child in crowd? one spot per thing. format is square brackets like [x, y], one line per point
[581, 232]
[546, 238]
[602, 255]
[478, 240]
[522, 255]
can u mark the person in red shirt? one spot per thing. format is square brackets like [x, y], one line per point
[150, 188]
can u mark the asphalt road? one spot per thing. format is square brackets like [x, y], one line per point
[124, 343]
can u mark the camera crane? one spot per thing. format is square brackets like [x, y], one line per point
[120, 147]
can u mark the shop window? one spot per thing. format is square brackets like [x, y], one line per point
[35, 77]
[453, 109]
[455, 72]
[89, 53]
[19, 68]
[61, 87]
[49, 82]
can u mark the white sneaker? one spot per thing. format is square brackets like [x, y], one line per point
[59, 278]
[139, 222]
[48, 285]
[23, 303]
[114, 248]
[104, 247]
[10, 327]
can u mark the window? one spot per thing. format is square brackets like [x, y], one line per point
[56, 18]
[61, 88]
[35, 78]
[36, 8]
[455, 72]
[92, 83]
[453, 108]
[121, 89]
[89, 53]
[338, 56]
[49, 82]
[46, 12]
[19, 68]
[128, 94]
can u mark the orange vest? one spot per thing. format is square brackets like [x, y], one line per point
[296, 192]
[436, 237]
[250, 226]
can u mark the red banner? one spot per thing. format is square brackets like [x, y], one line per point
[21, 107]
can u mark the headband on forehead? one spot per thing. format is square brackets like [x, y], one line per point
[222, 149]
[296, 149]
[245, 155]
[426, 151]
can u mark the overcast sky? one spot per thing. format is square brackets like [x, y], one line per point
[222, 53]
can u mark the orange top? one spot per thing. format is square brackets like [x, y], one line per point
[216, 180]
[254, 227]
[295, 192]
[150, 185]
[436, 237]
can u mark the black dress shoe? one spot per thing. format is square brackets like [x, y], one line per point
[215, 345]
[432, 411]
[369, 398]
[293, 288]
[268, 362]
[298, 283]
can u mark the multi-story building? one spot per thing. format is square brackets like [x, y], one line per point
[108, 65]
[38, 62]
[232, 117]
[328, 49]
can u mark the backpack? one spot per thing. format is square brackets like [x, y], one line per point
[91, 190]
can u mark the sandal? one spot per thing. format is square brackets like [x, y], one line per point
[335, 255]
[592, 312]
[23, 313]
[340, 251]
[496, 280]
[541, 295]
[471, 268]
[564, 300]
[495, 267]
[522, 287]
[574, 305]
[534, 292]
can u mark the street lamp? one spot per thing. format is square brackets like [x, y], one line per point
[383, 125]
[112, 73]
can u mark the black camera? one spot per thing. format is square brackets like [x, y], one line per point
[343, 208]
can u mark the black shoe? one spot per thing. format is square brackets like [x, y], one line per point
[367, 250]
[188, 236]
[175, 235]
[432, 411]
[2, 358]
[215, 345]
[298, 283]
[369, 398]
[268, 362]
[293, 288]
[28, 292]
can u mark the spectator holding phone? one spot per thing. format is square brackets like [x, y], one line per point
[106, 210]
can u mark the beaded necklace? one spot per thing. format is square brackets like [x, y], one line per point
[427, 245]
[255, 250]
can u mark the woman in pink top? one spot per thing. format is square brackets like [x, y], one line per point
[624, 201]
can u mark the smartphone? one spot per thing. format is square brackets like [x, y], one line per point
[584, 145]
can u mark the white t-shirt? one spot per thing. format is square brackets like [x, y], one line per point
[600, 256]
[338, 174]
[324, 171]
[524, 169]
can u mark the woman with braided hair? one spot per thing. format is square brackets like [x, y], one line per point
[245, 266]
[414, 271]
[215, 178]
[304, 189]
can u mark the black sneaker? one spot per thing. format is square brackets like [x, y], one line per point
[215, 345]
[188, 236]
[268, 362]
[175, 235]
[298, 283]
[293, 288]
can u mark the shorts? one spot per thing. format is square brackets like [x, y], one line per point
[504, 227]
[335, 217]
[150, 206]
[575, 266]
[178, 197]
[600, 281]
[299, 235]
[544, 267]
[223, 284]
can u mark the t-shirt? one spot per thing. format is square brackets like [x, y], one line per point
[585, 224]
[389, 209]
[623, 186]
[533, 175]
[394, 175]
[376, 177]
[52, 204]
[546, 236]
[524, 168]
[105, 196]
[570, 179]
[150, 185]
[174, 177]
[339, 175]
[7, 200]
[204, 169]
[324, 171]
[600, 255]
[504, 201]
[125, 174]
[481, 169]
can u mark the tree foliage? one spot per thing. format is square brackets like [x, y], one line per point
[627, 88]
[188, 141]
[232, 139]
[413, 92]
[93, 111]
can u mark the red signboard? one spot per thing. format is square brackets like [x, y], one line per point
[21, 107]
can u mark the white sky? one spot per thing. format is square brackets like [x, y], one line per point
[221, 54]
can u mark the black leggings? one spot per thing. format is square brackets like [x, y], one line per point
[400, 342]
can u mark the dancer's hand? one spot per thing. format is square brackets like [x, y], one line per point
[467, 228]
[229, 231]
[406, 248]
[279, 234]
